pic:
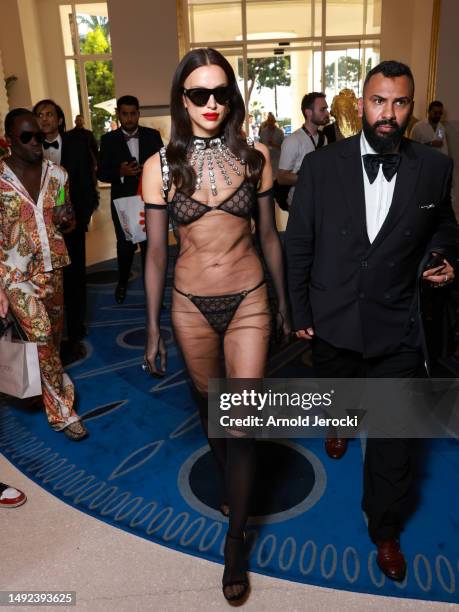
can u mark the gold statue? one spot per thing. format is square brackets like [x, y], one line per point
[345, 112]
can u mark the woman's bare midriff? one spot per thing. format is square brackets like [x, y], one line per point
[217, 256]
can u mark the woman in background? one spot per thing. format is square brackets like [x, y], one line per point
[272, 136]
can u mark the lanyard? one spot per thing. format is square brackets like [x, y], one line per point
[320, 141]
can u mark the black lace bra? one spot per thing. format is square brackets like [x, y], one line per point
[184, 209]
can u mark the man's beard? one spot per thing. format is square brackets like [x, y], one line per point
[384, 143]
[319, 122]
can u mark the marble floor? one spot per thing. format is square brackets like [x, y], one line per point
[100, 240]
[47, 545]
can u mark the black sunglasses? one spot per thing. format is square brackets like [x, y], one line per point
[25, 137]
[200, 95]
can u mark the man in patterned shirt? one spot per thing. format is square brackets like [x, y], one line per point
[34, 209]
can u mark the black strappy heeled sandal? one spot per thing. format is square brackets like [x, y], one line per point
[235, 572]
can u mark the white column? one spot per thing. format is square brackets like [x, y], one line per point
[4, 107]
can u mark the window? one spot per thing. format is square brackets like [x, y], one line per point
[87, 46]
[281, 49]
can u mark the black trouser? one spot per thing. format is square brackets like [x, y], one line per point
[75, 284]
[125, 250]
[388, 495]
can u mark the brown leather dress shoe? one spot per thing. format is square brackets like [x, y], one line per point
[390, 559]
[335, 447]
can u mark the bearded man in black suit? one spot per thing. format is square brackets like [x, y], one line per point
[121, 157]
[358, 248]
[72, 150]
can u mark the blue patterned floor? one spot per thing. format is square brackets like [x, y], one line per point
[146, 468]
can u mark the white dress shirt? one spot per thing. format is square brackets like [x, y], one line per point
[378, 195]
[133, 143]
[53, 154]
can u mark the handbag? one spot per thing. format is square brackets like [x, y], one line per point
[129, 211]
[19, 364]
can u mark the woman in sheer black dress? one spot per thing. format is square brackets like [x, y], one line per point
[209, 181]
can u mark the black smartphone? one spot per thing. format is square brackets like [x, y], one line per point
[435, 261]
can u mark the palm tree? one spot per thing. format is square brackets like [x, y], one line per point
[92, 22]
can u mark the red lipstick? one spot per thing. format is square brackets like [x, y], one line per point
[211, 116]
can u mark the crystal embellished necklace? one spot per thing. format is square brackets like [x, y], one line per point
[212, 152]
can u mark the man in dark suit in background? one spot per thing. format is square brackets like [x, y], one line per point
[356, 249]
[121, 157]
[72, 151]
[79, 129]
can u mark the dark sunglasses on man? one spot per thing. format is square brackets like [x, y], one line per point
[200, 95]
[26, 136]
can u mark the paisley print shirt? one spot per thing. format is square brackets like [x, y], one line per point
[30, 242]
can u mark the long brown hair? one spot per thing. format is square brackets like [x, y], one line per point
[182, 174]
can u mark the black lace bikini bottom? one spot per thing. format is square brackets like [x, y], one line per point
[219, 309]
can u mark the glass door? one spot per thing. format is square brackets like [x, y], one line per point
[347, 65]
[87, 45]
[277, 79]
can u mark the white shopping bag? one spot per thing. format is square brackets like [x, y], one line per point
[19, 367]
[129, 210]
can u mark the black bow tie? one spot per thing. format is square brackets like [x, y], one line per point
[128, 137]
[54, 144]
[389, 162]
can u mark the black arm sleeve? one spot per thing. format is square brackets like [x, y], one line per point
[157, 222]
[271, 248]
[299, 246]
[445, 239]
[107, 170]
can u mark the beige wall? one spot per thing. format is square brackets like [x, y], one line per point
[14, 59]
[32, 37]
[420, 53]
[3, 98]
[406, 28]
[396, 29]
[145, 48]
[447, 81]
[31, 45]
[53, 55]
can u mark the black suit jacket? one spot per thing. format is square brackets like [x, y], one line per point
[114, 150]
[92, 142]
[357, 295]
[78, 160]
[330, 132]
